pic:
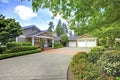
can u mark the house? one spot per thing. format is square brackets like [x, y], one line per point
[36, 36]
[85, 40]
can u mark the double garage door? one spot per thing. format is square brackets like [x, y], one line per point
[86, 43]
[83, 43]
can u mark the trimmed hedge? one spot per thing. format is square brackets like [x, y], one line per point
[10, 45]
[20, 48]
[13, 44]
[26, 43]
[2, 49]
[9, 55]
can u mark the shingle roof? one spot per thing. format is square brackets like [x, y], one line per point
[30, 26]
[72, 37]
[40, 32]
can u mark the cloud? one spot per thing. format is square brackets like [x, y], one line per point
[4, 1]
[24, 12]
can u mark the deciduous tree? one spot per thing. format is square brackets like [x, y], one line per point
[9, 29]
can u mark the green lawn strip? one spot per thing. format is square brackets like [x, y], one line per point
[9, 55]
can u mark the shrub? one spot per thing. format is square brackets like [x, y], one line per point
[2, 49]
[26, 44]
[57, 45]
[13, 44]
[117, 78]
[110, 62]
[85, 70]
[20, 48]
[9, 55]
[95, 53]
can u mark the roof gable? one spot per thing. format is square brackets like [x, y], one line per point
[30, 27]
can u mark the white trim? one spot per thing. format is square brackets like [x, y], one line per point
[52, 43]
[17, 39]
[33, 40]
[44, 37]
[22, 36]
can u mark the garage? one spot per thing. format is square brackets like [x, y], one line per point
[72, 43]
[87, 42]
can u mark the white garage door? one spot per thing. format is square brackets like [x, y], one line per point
[91, 43]
[86, 43]
[81, 43]
[72, 43]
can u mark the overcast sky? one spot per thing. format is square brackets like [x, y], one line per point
[23, 13]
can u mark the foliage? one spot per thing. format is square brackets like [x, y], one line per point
[20, 48]
[51, 26]
[110, 62]
[59, 29]
[110, 33]
[9, 29]
[42, 41]
[26, 43]
[102, 41]
[16, 44]
[57, 45]
[95, 53]
[9, 55]
[2, 49]
[117, 78]
[13, 44]
[84, 70]
[64, 39]
[86, 16]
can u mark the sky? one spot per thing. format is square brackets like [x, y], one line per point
[22, 12]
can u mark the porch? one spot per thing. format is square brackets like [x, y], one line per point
[40, 41]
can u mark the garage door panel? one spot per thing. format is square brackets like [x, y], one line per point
[81, 43]
[72, 44]
[91, 43]
[86, 43]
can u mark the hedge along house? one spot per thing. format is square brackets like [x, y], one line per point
[85, 40]
[36, 36]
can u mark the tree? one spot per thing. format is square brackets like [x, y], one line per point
[51, 26]
[64, 39]
[9, 29]
[85, 16]
[109, 33]
[65, 28]
[59, 29]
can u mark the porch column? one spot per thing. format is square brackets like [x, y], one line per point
[46, 43]
[16, 39]
[33, 41]
[52, 43]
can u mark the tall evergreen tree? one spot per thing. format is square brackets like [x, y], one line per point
[51, 26]
[59, 29]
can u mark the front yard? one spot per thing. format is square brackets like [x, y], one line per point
[14, 49]
[99, 64]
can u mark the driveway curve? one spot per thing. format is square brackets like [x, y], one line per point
[47, 65]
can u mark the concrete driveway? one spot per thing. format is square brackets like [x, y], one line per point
[48, 65]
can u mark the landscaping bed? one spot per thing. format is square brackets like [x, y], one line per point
[14, 49]
[98, 64]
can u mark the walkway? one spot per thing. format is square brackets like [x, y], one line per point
[48, 65]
